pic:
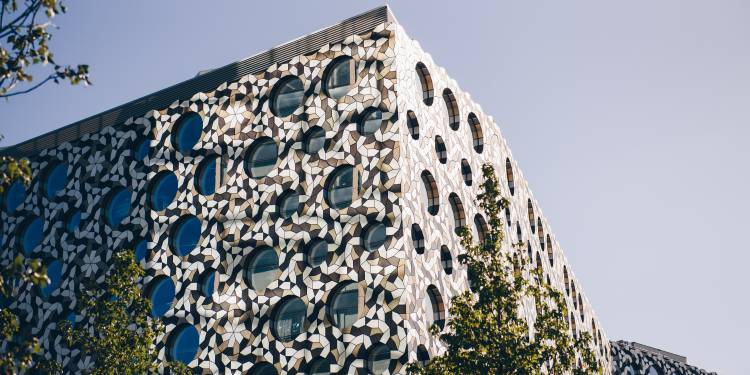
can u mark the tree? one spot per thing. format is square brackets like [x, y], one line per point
[24, 43]
[487, 332]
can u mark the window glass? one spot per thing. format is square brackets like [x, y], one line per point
[31, 236]
[290, 319]
[262, 158]
[417, 238]
[344, 305]
[287, 96]
[431, 193]
[263, 368]
[466, 172]
[140, 251]
[56, 180]
[183, 343]
[54, 273]
[340, 188]
[14, 196]
[142, 149]
[315, 140]
[452, 105]
[446, 259]
[412, 124]
[163, 190]
[210, 175]
[442, 152]
[186, 235]
[437, 310]
[423, 357]
[426, 80]
[288, 204]
[319, 366]
[374, 236]
[73, 220]
[476, 133]
[208, 282]
[379, 360]
[161, 294]
[118, 207]
[370, 122]
[187, 132]
[262, 268]
[340, 78]
[316, 252]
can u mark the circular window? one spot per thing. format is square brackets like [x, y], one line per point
[208, 283]
[288, 204]
[185, 235]
[142, 149]
[370, 121]
[374, 236]
[163, 190]
[54, 273]
[183, 343]
[319, 366]
[118, 206]
[316, 252]
[73, 220]
[14, 196]
[379, 359]
[441, 150]
[209, 175]
[315, 140]
[434, 307]
[466, 172]
[262, 268]
[187, 132]
[56, 179]
[161, 294]
[446, 259]
[340, 191]
[263, 368]
[31, 235]
[289, 320]
[262, 157]
[343, 307]
[339, 77]
[140, 251]
[287, 96]
[412, 124]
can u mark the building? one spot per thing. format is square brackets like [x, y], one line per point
[294, 211]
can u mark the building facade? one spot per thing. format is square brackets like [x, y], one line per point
[295, 212]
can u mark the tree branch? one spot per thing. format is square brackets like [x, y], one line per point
[30, 89]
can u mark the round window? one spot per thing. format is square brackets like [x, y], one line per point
[14, 196]
[263, 368]
[315, 140]
[262, 268]
[187, 132]
[339, 77]
[343, 307]
[140, 251]
[183, 343]
[161, 294]
[54, 273]
[163, 190]
[56, 179]
[209, 175]
[340, 191]
[262, 157]
[374, 236]
[287, 96]
[31, 235]
[370, 121]
[316, 252]
[185, 235]
[289, 320]
[208, 282]
[73, 220]
[379, 359]
[288, 204]
[118, 206]
[142, 149]
[319, 366]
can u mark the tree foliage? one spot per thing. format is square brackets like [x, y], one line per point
[24, 42]
[487, 332]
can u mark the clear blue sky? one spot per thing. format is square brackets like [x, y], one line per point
[629, 119]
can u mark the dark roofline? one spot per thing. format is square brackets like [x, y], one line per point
[204, 82]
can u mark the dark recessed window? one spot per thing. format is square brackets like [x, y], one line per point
[31, 235]
[343, 305]
[289, 319]
[436, 307]
[118, 206]
[530, 208]
[431, 193]
[15, 194]
[423, 357]
[161, 293]
[529, 251]
[287, 96]
[319, 366]
[476, 133]
[208, 283]
[72, 220]
[507, 216]
[186, 233]
[566, 280]
[417, 238]
[316, 252]
[183, 343]
[466, 172]
[540, 232]
[446, 259]
[263, 368]
[426, 80]
[162, 191]
[142, 149]
[459, 217]
[450, 102]
[315, 140]
[509, 175]
[140, 251]
[55, 180]
[54, 273]
[370, 121]
[481, 228]
[442, 152]
[288, 204]
[342, 187]
[262, 157]
[339, 77]
[550, 253]
[519, 234]
[187, 132]
[262, 268]
[379, 359]
[210, 175]
[412, 124]
[374, 236]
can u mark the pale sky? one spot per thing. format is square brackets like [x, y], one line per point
[629, 119]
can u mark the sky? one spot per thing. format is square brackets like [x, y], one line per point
[630, 121]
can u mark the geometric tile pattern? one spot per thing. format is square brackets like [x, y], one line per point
[630, 360]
